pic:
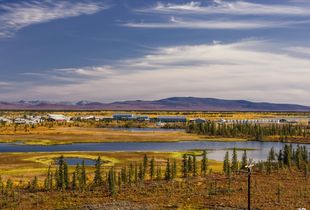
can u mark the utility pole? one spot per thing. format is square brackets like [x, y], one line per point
[249, 167]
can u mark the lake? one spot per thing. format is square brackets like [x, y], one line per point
[148, 129]
[257, 150]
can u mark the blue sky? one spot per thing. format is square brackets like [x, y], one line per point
[125, 50]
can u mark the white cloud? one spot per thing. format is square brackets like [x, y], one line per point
[4, 84]
[302, 50]
[215, 24]
[15, 16]
[249, 69]
[231, 8]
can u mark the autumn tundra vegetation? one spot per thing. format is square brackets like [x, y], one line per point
[282, 180]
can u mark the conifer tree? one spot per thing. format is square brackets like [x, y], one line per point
[34, 183]
[66, 176]
[98, 177]
[60, 178]
[244, 160]
[174, 169]
[190, 164]
[194, 165]
[136, 174]
[287, 156]
[141, 172]
[152, 169]
[130, 173]
[272, 154]
[73, 183]
[124, 175]
[145, 165]
[111, 181]
[234, 161]
[185, 166]
[158, 173]
[269, 165]
[83, 178]
[168, 171]
[226, 163]
[204, 163]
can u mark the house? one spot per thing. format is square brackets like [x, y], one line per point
[57, 117]
[5, 120]
[87, 118]
[171, 119]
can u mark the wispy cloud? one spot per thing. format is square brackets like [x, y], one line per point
[15, 16]
[249, 69]
[231, 8]
[220, 14]
[215, 24]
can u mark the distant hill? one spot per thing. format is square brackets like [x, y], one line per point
[174, 103]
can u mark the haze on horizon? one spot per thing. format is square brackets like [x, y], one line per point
[108, 51]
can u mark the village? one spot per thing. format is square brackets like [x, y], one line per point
[159, 119]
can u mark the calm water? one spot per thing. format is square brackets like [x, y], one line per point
[259, 150]
[147, 129]
[74, 161]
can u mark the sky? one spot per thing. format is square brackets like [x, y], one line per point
[114, 50]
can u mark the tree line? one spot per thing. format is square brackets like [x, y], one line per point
[248, 130]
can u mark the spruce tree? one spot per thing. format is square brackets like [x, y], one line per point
[244, 160]
[73, 183]
[287, 156]
[168, 171]
[124, 175]
[130, 174]
[34, 183]
[83, 178]
[66, 176]
[194, 165]
[174, 169]
[152, 169]
[111, 181]
[145, 165]
[234, 161]
[60, 175]
[98, 177]
[226, 163]
[141, 172]
[136, 173]
[204, 163]
[158, 173]
[190, 164]
[185, 166]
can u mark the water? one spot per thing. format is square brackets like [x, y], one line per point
[258, 150]
[74, 161]
[147, 129]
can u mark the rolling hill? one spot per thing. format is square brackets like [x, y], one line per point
[173, 103]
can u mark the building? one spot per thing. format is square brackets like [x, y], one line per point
[87, 118]
[5, 120]
[57, 117]
[123, 117]
[142, 118]
[197, 120]
[171, 119]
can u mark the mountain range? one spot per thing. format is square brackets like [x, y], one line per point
[173, 103]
